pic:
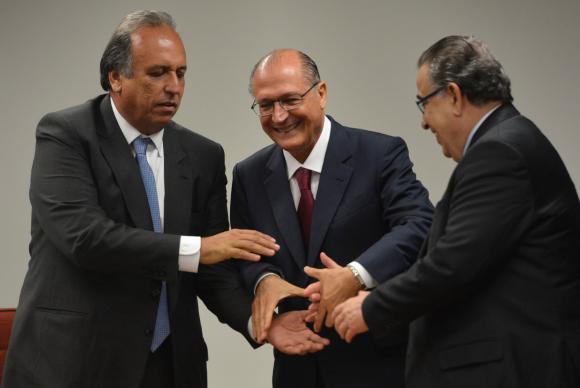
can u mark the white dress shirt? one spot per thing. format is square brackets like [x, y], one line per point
[189, 246]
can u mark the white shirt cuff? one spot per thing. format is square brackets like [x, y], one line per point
[189, 247]
[369, 281]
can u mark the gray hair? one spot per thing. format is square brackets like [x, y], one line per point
[117, 55]
[309, 67]
[467, 62]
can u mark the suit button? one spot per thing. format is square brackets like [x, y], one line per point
[148, 331]
[161, 273]
[155, 293]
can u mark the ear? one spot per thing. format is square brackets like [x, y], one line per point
[321, 90]
[457, 97]
[115, 80]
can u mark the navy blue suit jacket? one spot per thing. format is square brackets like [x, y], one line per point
[369, 207]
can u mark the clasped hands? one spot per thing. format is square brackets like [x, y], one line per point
[336, 299]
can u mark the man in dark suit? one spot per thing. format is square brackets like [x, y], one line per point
[109, 299]
[495, 294]
[360, 203]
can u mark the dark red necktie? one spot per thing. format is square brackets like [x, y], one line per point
[306, 204]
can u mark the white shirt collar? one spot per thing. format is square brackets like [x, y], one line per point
[474, 130]
[131, 133]
[315, 160]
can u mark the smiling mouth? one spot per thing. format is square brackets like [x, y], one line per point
[287, 128]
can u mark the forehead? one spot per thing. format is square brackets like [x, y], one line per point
[424, 83]
[157, 44]
[278, 76]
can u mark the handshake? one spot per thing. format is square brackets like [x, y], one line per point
[333, 302]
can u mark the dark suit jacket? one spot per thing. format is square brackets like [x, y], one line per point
[497, 288]
[369, 207]
[89, 300]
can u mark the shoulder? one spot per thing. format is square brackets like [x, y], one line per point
[258, 159]
[76, 122]
[365, 139]
[191, 140]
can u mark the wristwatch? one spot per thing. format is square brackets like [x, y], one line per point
[357, 276]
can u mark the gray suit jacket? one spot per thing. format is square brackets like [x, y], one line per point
[89, 299]
[495, 293]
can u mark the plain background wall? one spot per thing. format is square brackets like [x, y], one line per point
[366, 51]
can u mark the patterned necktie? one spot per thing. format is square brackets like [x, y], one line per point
[306, 204]
[162, 321]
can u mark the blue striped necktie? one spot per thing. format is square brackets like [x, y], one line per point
[162, 321]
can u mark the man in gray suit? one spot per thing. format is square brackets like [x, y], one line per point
[495, 294]
[128, 211]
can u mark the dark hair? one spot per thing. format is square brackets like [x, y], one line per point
[117, 54]
[309, 68]
[467, 62]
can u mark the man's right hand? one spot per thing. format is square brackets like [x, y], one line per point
[289, 334]
[270, 291]
[241, 244]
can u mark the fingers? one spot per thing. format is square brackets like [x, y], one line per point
[320, 317]
[262, 312]
[317, 340]
[237, 243]
[313, 272]
[327, 261]
[252, 242]
[313, 289]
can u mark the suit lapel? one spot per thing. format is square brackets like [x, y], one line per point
[278, 191]
[336, 173]
[178, 184]
[502, 113]
[125, 169]
[178, 195]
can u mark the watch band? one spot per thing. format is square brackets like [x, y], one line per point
[357, 276]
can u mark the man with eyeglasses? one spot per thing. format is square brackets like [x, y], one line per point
[495, 294]
[323, 187]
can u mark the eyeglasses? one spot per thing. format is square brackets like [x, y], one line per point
[421, 101]
[266, 108]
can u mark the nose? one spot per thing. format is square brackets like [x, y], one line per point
[173, 83]
[279, 114]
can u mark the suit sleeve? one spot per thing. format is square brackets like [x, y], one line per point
[65, 205]
[250, 271]
[406, 210]
[490, 208]
[219, 285]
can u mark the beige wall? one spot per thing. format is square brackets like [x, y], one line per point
[366, 50]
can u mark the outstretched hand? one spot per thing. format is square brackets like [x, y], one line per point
[270, 291]
[336, 285]
[289, 334]
[241, 244]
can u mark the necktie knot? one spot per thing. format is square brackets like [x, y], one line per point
[140, 145]
[303, 176]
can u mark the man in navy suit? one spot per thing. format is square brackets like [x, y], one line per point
[323, 187]
[494, 297]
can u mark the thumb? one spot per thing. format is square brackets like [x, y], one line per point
[312, 272]
[327, 261]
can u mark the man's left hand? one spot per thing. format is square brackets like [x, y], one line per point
[348, 317]
[336, 285]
